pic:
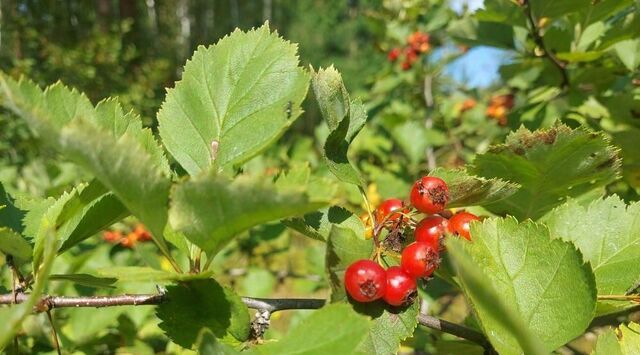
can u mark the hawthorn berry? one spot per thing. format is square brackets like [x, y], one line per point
[387, 207]
[419, 259]
[429, 195]
[393, 54]
[365, 281]
[459, 224]
[430, 230]
[401, 287]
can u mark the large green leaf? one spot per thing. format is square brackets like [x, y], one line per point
[211, 210]
[469, 190]
[317, 225]
[343, 248]
[607, 232]
[506, 330]
[203, 304]
[127, 161]
[334, 329]
[238, 95]
[12, 243]
[542, 281]
[345, 119]
[550, 165]
[622, 341]
[10, 216]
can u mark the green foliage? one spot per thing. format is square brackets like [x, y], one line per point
[216, 100]
[318, 224]
[542, 281]
[549, 165]
[609, 246]
[342, 337]
[469, 190]
[622, 341]
[203, 304]
[11, 243]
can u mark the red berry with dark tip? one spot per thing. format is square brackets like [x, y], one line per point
[429, 195]
[385, 212]
[419, 259]
[430, 230]
[401, 287]
[459, 224]
[365, 281]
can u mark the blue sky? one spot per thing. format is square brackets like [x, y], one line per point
[479, 67]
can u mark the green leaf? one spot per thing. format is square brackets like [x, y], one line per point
[317, 225]
[469, 190]
[242, 93]
[552, 8]
[85, 280]
[343, 248]
[200, 304]
[11, 243]
[127, 161]
[334, 329]
[629, 53]
[549, 165]
[211, 210]
[209, 345]
[607, 234]
[389, 327]
[542, 281]
[345, 119]
[622, 341]
[504, 327]
[10, 216]
[89, 211]
[146, 274]
[473, 32]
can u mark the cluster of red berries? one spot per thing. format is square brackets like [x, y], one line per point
[138, 234]
[366, 280]
[499, 106]
[417, 43]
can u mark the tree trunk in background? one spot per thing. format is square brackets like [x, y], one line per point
[127, 9]
[104, 14]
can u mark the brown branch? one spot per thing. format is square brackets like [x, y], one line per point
[271, 305]
[537, 37]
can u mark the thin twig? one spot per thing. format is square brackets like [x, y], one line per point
[271, 305]
[537, 37]
[54, 333]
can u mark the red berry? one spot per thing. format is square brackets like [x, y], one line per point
[401, 288]
[459, 224]
[387, 207]
[365, 281]
[429, 195]
[430, 230]
[406, 65]
[393, 54]
[419, 259]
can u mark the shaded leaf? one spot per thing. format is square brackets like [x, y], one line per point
[624, 340]
[343, 248]
[11, 243]
[85, 280]
[469, 190]
[10, 216]
[317, 225]
[147, 274]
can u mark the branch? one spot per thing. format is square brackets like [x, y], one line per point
[270, 305]
[537, 37]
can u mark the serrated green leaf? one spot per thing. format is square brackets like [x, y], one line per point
[389, 327]
[469, 190]
[211, 210]
[10, 216]
[207, 344]
[85, 280]
[322, 334]
[199, 304]
[505, 329]
[343, 248]
[608, 235]
[550, 165]
[344, 117]
[541, 281]
[629, 53]
[624, 340]
[242, 93]
[317, 225]
[146, 274]
[11, 243]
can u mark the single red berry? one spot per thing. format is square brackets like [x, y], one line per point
[430, 230]
[365, 281]
[406, 65]
[459, 224]
[393, 54]
[419, 259]
[387, 207]
[401, 287]
[429, 195]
